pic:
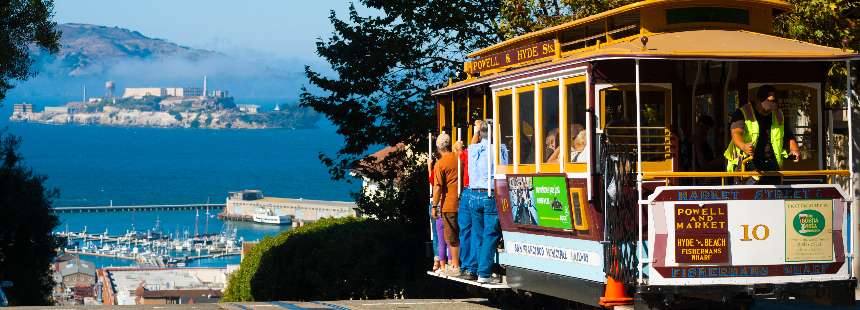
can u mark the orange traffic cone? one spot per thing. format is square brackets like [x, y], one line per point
[615, 295]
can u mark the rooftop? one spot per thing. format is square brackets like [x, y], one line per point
[125, 281]
[70, 267]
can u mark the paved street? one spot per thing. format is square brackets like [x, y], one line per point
[421, 304]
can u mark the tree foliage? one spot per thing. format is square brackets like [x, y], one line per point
[332, 259]
[23, 24]
[27, 245]
[834, 23]
[384, 66]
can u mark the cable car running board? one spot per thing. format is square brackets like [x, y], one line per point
[491, 286]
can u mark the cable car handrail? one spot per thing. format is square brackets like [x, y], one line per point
[634, 127]
[787, 173]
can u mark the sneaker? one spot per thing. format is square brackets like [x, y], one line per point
[453, 272]
[465, 275]
[490, 280]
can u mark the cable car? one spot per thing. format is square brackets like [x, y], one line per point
[612, 188]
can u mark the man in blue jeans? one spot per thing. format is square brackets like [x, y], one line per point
[485, 231]
[468, 253]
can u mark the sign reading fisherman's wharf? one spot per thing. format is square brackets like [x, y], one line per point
[512, 56]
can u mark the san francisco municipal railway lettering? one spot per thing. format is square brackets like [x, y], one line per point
[513, 56]
[701, 233]
[554, 253]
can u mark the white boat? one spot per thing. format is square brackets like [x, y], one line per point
[268, 216]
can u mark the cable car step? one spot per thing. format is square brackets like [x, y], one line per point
[491, 286]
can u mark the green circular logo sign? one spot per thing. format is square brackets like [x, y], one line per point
[808, 223]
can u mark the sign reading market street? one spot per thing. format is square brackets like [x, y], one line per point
[513, 56]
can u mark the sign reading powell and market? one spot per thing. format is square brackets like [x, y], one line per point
[513, 56]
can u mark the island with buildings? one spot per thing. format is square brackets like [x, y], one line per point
[177, 107]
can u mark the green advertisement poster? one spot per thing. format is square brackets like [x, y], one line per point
[551, 202]
[540, 201]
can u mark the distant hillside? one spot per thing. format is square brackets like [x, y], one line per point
[91, 49]
[92, 54]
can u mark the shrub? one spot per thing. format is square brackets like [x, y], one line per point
[332, 259]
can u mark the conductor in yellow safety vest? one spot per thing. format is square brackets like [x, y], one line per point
[758, 130]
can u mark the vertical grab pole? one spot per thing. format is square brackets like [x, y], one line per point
[489, 151]
[429, 157]
[852, 210]
[639, 169]
[459, 169]
[430, 167]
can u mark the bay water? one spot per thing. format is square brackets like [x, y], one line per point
[99, 166]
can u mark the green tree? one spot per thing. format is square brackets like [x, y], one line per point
[27, 245]
[384, 67]
[23, 24]
[834, 23]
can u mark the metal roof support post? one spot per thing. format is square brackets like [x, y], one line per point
[429, 156]
[490, 150]
[459, 168]
[639, 168]
[515, 151]
[538, 134]
[563, 131]
[852, 213]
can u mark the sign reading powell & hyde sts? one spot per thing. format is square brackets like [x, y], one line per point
[513, 56]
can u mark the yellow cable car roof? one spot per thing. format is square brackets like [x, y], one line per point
[693, 44]
[777, 4]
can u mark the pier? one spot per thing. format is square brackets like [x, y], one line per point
[171, 207]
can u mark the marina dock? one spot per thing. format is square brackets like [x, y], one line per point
[170, 207]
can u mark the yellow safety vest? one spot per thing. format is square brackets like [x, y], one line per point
[733, 154]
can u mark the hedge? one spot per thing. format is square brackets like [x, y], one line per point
[332, 259]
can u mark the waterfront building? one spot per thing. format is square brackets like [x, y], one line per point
[22, 108]
[248, 108]
[57, 110]
[218, 93]
[243, 204]
[138, 286]
[140, 92]
[192, 92]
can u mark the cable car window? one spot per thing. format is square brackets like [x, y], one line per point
[506, 130]
[619, 111]
[526, 101]
[577, 138]
[461, 115]
[445, 108]
[549, 125]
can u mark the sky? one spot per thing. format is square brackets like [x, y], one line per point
[272, 28]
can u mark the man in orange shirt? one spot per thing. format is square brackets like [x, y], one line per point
[445, 198]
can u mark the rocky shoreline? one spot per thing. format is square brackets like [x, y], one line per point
[159, 119]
